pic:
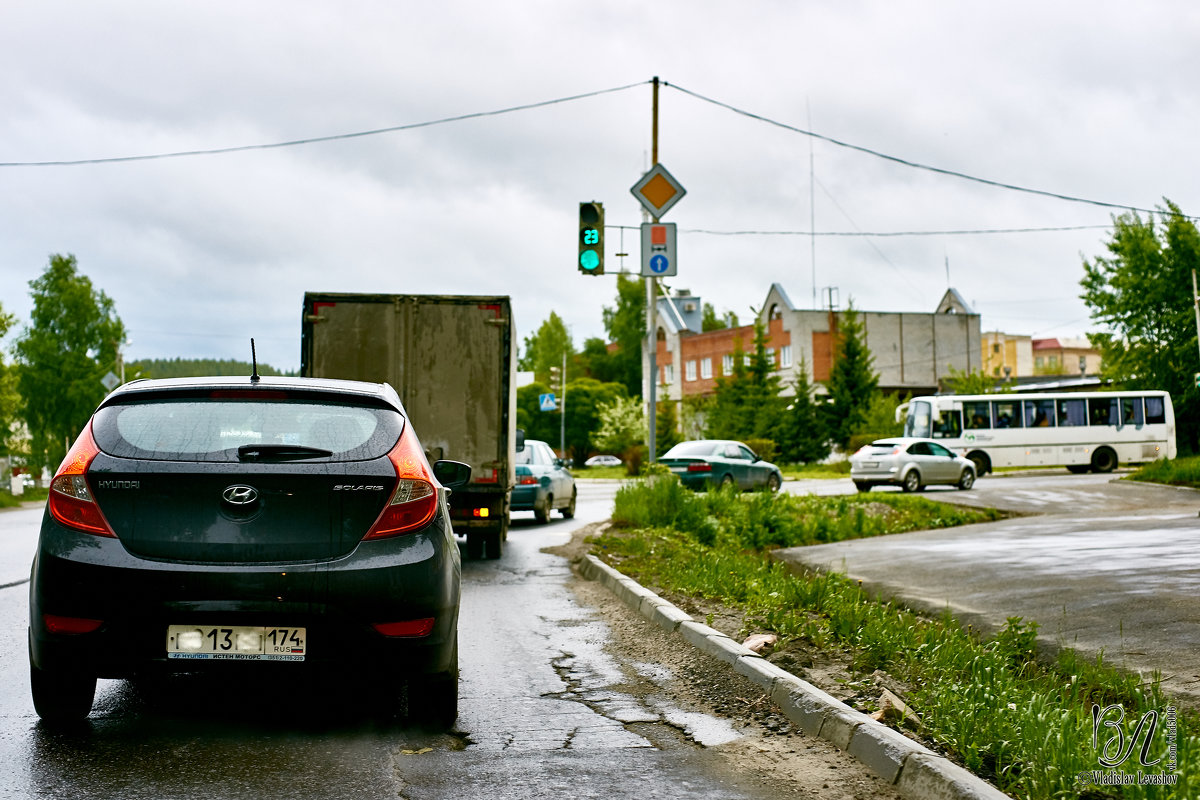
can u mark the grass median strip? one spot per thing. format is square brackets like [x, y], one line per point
[990, 703]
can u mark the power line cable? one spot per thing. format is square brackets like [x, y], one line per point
[316, 139]
[970, 232]
[571, 98]
[906, 162]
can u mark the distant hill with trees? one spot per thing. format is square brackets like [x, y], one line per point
[193, 368]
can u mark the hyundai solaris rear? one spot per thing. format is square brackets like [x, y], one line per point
[242, 525]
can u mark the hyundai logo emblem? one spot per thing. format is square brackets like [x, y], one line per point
[240, 495]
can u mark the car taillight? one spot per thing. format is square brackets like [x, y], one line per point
[409, 628]
[700, 466]
[526, 480]
[414, 500]
[71, 501]
[73, 625]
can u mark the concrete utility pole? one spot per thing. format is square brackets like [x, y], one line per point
[1196, 305]
[651, 304]
[562, 431]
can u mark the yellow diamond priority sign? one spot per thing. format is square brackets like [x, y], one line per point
[658, 190]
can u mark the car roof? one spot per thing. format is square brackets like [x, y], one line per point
[905, 440]
[149, 387]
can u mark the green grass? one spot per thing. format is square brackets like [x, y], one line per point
[1173, 472]
[605, 473]
[1023, 723]
[8, 500]
[838, 469]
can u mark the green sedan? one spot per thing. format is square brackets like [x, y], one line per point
[703, 463]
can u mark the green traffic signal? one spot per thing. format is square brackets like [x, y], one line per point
[591, 238]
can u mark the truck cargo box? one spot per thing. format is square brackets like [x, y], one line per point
[452, 360]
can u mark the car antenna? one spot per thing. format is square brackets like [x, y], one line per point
[253, 363]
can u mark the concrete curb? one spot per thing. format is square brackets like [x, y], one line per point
[915, 770]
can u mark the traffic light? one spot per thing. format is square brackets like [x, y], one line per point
[591, 238]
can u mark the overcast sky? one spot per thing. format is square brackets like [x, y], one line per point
[1097, 101]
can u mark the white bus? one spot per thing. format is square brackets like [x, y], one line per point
[1081, 430]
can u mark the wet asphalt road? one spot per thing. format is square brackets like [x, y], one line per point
[1103, 566]
[543, 713]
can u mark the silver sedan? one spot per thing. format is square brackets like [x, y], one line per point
[910, 463]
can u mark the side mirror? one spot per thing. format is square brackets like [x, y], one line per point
[520, 439]
[452, 474]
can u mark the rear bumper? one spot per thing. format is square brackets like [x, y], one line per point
[406, 577]
[529, 497]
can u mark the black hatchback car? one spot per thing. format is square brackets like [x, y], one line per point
[247, 524]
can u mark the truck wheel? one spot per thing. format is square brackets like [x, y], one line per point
[493, 544]
[542, 513]
[569, 511]
[475, 544]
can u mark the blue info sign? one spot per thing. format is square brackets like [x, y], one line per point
[546, 402]
[658, 249]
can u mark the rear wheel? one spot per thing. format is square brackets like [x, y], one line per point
[569, 511]
[863, 486]
[433, 701]
[542, 513]
[982, 464]
[1104, 460]
[62, 697]
[912, 481]
[726, 481]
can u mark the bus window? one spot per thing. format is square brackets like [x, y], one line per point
[947, 424]
[1131, 411]
[1039, 413]
[976, 416]
[1072, 413]
[1006, 414]
[1102, 410]
[917, 423]
[1156, 413]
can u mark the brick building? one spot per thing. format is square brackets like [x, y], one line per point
[913, 352]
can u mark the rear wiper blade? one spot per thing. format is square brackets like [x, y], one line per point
[253, 452]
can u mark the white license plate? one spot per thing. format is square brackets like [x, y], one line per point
[236, 643]
[869, 464]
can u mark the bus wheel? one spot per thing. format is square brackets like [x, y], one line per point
[983, 464]
[1104, 460]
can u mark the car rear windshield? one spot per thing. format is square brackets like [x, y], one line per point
[686, 449]
[212, 429]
